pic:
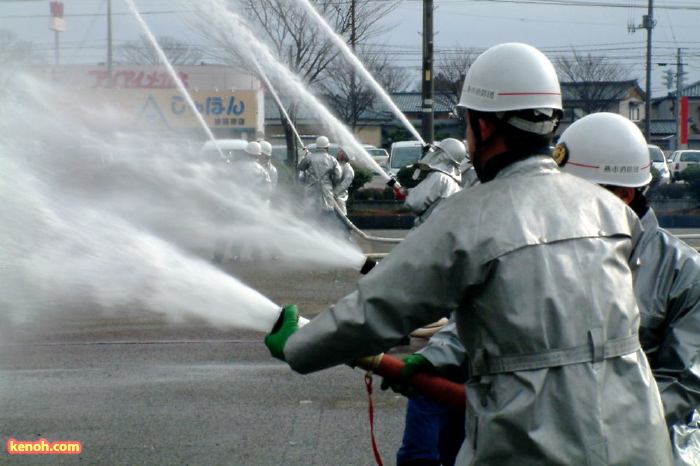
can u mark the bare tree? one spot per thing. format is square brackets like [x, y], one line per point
[14, 51]
[142, 51]
[592, 81]
[339, 90]
[451, 69]
[298, 42]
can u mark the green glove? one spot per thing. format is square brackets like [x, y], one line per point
[286, 325]
[413, 364]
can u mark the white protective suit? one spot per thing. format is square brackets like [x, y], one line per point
[535, 266]
[321, 173]
[341, 190]
[442, 181]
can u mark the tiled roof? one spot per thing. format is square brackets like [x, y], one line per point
[691, 90]
[410, 102]
[618, 90]
[663, 126]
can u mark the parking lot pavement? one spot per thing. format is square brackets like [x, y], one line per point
[135, 388]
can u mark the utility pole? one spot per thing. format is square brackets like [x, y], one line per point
[679, 92]
[353, 83]
[648, 23]
[110, 78]
[427, 106]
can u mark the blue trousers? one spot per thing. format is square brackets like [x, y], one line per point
[433, 432]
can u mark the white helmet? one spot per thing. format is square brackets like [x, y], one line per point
[454, 148]
[322, 142]
[511, 77]
[253, 148]
[605, 148]
[266, 148]
[447, 157]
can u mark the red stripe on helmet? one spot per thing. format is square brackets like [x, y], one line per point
[582, 165]
[529, 93]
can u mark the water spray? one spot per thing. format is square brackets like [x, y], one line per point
[180, 85]
[279, 104]
[347, 52]
[257, 52]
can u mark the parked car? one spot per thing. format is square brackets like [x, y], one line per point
[378, 154]
[233, 149]
[381, 156]
[659, 162]
[680, 159]
[403, 154]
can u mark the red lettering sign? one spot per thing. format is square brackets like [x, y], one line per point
[57, 9]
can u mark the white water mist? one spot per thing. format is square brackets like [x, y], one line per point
[87, 220]
[357, 64]
[234, 29]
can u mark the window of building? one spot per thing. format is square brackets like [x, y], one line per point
[634, 113]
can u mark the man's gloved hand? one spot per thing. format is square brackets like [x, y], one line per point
[286, 325]
[413, 364]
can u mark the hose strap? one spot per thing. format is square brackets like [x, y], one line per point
[368, 383]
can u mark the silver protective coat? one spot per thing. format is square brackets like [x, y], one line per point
[667, 285]
[532, 262]
[321, 173]
[424, 197]
[341, 190]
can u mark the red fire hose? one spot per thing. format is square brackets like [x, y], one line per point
[437, 388]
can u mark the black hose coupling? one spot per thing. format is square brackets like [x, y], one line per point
[368, 265]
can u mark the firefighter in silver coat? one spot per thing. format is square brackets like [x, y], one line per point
[667, 283]
[347, 175]
[534, 264]
[441, 178]
[321, 174]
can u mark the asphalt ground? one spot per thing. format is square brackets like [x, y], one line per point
[134, 388]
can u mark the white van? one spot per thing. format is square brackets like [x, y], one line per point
[403, 154]
[381, 156]
[233, 149]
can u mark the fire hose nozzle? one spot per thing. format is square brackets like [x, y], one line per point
[394, 184]
[368, 265]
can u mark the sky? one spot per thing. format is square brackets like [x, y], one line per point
[598, 27]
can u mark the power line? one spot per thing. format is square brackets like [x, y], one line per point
[575, 3]
[78, 15]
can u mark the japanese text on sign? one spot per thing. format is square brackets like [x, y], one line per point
[138, 79]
